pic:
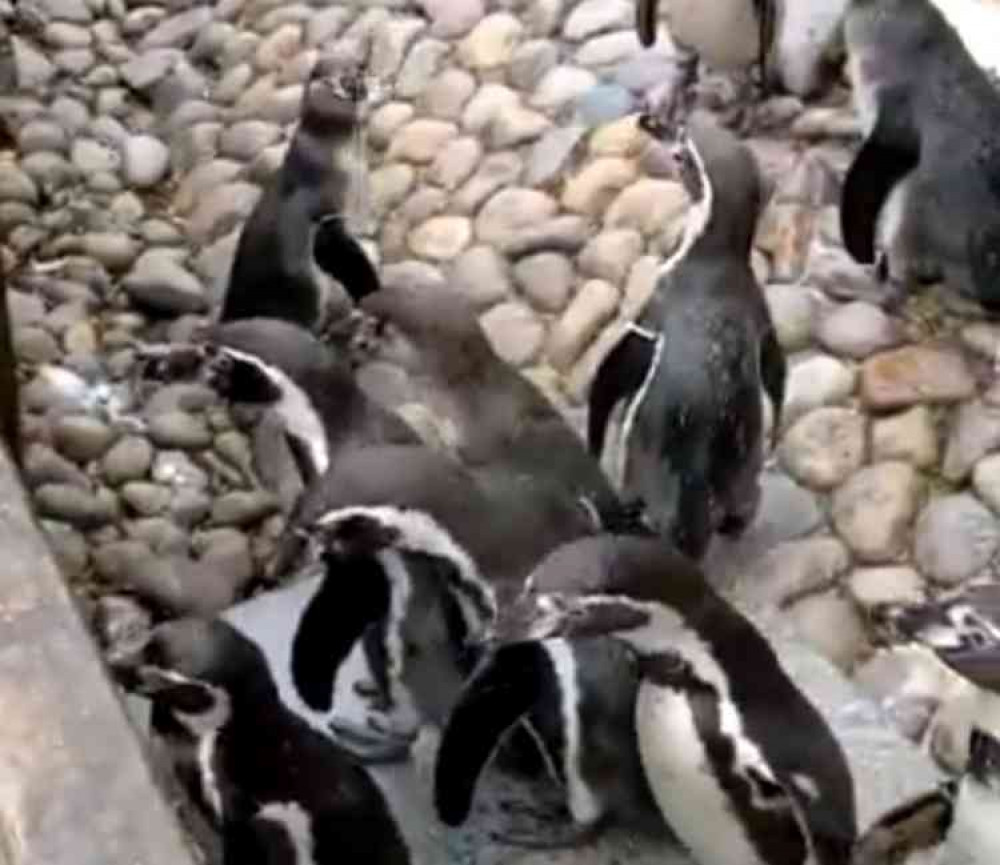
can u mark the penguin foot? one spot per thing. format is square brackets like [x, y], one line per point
[368, 748]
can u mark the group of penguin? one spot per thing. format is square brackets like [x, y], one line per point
[499, 588]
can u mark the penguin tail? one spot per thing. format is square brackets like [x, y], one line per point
[692, 529]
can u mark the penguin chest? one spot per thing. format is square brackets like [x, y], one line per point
[724, 33]
[679, 773]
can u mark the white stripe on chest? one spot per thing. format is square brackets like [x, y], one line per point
[297, 825]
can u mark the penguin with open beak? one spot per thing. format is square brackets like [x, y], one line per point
[741, 764]
[957, 822]
[927, 177]
[297, 238]
[690, 370]
[279, 792]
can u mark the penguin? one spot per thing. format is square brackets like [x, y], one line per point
[690, 369]
[741, 764]
[500, 418]
[956, 822]
[401, 567]
[297, 235]
[927, 177]
[962, 629]
[279, 792]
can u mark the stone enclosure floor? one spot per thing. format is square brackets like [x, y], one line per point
[505, 159]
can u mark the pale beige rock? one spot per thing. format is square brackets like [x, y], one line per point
[908, 435]
[491, 42]
[587, 313]
[874, 509]
[421, 140]
[647, 205]
[441, 238]
[597, 184]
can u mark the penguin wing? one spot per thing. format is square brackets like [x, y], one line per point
[645, 22]
[917, 824]
[334, 619]
[341, 257]
[773, 371]
[619, 375]
[499, 694]
[891, 151]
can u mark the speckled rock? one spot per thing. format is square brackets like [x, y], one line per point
[955, 538]
[515, 332]
[873, 510]
[587, 313]
[908, 435]
[975, 432]
[914, 374]
[824, 447]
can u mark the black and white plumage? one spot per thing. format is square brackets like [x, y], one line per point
[690, 370]
[961, 628]
[927, 177]
[279, 792]
[297, 235]
[743, 767]
[954, 824]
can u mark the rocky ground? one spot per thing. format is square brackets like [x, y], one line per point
[503, 159]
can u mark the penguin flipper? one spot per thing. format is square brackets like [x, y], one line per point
[330, 625]
[619, 375]
[341, 257]
[773, 372]
[645, 22]
[917, 824]
[889, 153]
[499, 694]
[692, 529]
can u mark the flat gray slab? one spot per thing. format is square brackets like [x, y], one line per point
[75, 788]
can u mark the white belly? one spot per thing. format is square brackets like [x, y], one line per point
[809, 31]
[686, 793]
[725, 33]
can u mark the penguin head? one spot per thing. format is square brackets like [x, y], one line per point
[199, 671]
[430, 327]
[983, 768]
[335, 95]
[399, 571]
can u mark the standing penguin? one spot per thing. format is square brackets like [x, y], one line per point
[279, 792]
[298, 231]
[931, 155]
[743, 767]
[956, 823]
[690, 370]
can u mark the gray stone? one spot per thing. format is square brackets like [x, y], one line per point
[510, 211]
[44, 135]
[824, 447]
[608, 49]
[158, 281]
[550, 156]
[183, 396]
[243, 508]
[447, 95]
[611, 254]
[129, 459]
[873, 510]
[145, 161]
[491, 42]
[955, 538]
[69, 548]
[566, 234]
[32, 70]
[871, 587]
[588, 312]
[223, 210]
[597, 16]
[34, 345]
[515, 332]
[545, 279]
[15, 185]
[986, 480]
[975, 432]
[81, 438]
[42, 465]
[145, 499]
[531, 61]
[93, 157]
[480, 273]
[178, 31]
[495, 171]
[516, 126]
[78, 507]
[455, 163]
[858, 329]
[908, 436]
[177, 429]
[451, 18]
[831, 624]
[796, 568]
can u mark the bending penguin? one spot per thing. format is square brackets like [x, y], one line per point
[690, 370]
[929, 167]
[742, 766]
[279, 792]
[955, 823]
[297, 235]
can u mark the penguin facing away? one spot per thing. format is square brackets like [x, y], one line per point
[743, 767]
[502, 419]
[955, 824]
[690, 369]
[297, 236]
[279, 792]
[927, 177]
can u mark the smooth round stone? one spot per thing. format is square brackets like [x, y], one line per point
[81, 438]
[78, 507]
[823, 448]
[129, 459]
[145, 161]
[492, 42]
[587, 313]
[42, 465]
[34, 345]
[545, 279]
[177, 429]
[793, 312]
[42, 135]
[593, 188]
[955, 538]
[68, 546]
[611, 254]
[146, 499]
[16, 186]
[975, 432]
[243, 508]
[871, 587]
[814, 382]
[603, 103]
[832, 625]
[114, 250]
[480, 274]
[515, 332]
[913, 374]
[794, 569]
[909, 435]
[441, 238]
[872, 511]
[858, 329]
